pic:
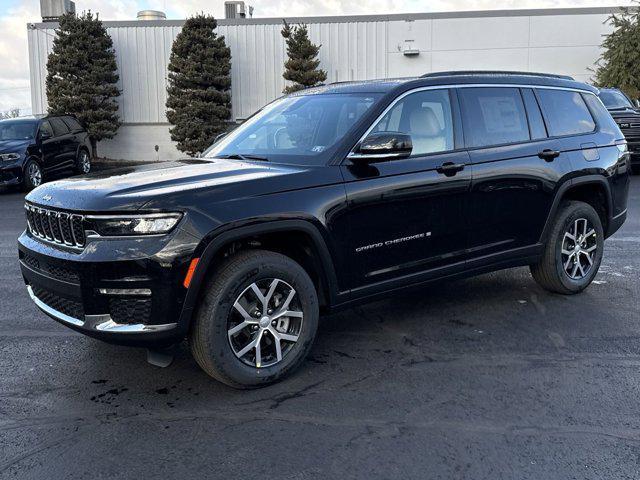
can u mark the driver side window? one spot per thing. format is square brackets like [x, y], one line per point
[45, 127]
[426, 117]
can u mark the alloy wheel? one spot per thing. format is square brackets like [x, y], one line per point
[265, 323]
[579, 247]
[85, 163]
[35, 175]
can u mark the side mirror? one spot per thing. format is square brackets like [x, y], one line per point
[382, 146]
[44, 135]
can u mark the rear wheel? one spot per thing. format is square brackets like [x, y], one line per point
[573, 252]
[257, 320]
[32, 175]
[83, 162]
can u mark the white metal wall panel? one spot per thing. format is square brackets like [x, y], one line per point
[352, 49]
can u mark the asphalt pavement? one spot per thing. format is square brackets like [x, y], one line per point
[485, 378]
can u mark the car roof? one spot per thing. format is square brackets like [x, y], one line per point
[450, 78]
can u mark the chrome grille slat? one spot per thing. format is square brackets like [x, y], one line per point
[56, 227]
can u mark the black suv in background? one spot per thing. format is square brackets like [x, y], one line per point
[328, 197]
[627, 116]
[32, 148]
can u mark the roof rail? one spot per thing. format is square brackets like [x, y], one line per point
[494, 72]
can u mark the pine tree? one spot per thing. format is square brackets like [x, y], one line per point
[302, 66]
[619, 64]
[82, 75]
[199, 98]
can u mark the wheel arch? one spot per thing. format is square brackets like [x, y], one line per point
[591, 189]
[217, 246]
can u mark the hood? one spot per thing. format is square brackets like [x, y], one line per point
[164, 184]
[624, 112]
[19, 146]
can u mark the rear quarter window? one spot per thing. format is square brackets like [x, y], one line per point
[493, 116]
[566, 112]
[605, 121]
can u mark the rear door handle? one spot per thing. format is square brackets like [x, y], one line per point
[549, 155]
[450, 169]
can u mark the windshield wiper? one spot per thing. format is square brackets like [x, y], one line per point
[242, 156]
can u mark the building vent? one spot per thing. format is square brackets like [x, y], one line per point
[52, 10]
[151, 15]
[237, 9]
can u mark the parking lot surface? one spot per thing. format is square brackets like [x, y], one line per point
[484, 378]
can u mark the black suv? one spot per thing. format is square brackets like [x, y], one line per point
[331, 196]
[32, 148]
[627, 116]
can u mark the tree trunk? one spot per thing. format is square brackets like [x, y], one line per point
[94, 148]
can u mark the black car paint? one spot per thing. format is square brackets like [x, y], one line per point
[55, 155]
[492, 214]
[628, 119]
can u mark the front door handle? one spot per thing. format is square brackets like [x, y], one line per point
[450, 169]
[549, 155]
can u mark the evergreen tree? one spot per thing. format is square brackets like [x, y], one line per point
[199, 98]
[82, 75]
[619, 64]
[302, 66]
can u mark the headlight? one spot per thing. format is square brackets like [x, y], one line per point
[5, 157]
[131, 225]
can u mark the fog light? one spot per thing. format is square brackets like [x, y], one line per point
[139, 292]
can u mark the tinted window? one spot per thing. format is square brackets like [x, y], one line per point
[17, 130]
[614, 99]
[426, 116]
[605, 122]
[493, 116]
[299, 129]
[46, 127]
[72, 123]
[536, 123]
[565, 112]
[59, 128]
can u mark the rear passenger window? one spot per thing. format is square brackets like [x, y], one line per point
[565, 112]
[426, 117]
[59, 128]
[72, 123]
[493, 116]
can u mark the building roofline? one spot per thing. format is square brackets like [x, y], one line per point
[363, 18]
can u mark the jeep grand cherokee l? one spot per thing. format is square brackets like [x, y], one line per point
[627, 116]
[327, 197]
[34, 147]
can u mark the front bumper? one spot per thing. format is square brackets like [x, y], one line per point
[10, 176]
[125, 291]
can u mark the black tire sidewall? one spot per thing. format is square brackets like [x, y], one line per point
[219, 345]
[26, 182]
[574, 212]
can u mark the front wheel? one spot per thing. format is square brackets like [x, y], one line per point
[573, 252]
[83, 162]
[257, 320]
[32, 175]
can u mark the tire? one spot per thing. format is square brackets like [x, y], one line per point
[550, 271]
[83, 162]
[210, 339]
[33, 176]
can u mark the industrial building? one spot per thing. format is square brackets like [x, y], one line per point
[565, 41]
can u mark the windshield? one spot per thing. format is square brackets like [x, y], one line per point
[301, 130]
[614, 99]
[17, 130]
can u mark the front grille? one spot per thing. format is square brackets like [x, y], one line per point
[70, 308]
[61, 273]
[629, 126]
[55, 226]
[130, 310]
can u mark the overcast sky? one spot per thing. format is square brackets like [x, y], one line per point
[15, 14]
